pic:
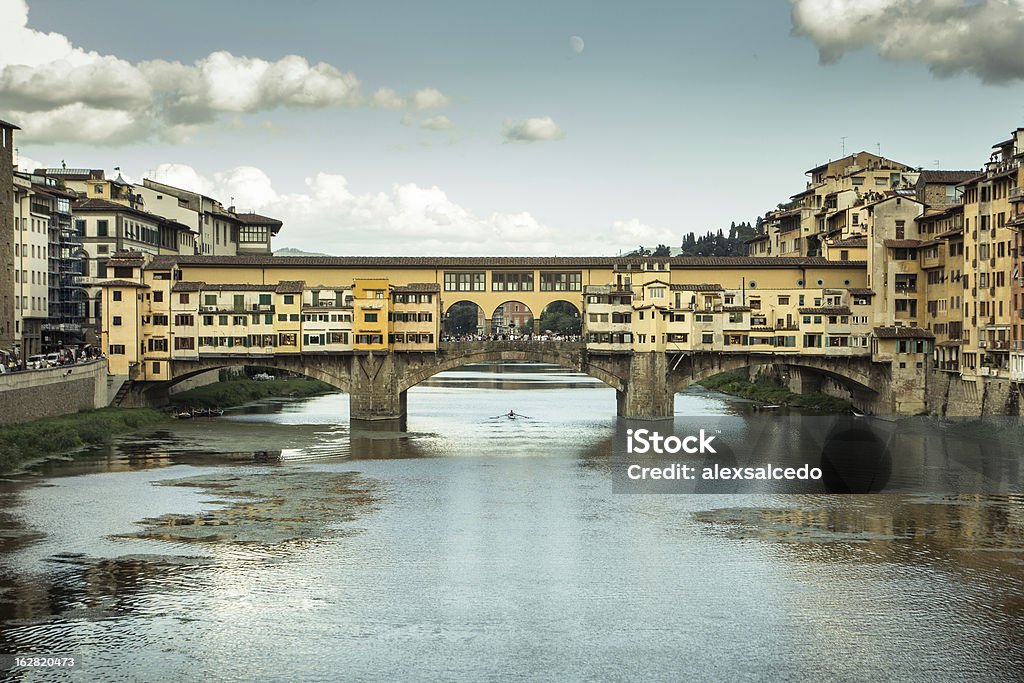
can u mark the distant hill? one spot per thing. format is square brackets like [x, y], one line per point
[289, 251]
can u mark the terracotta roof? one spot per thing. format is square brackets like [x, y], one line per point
[951, 342]
[222, 287]
[903, 333]
[757, 238]
[257, 219]
[290, 286]
[122, 283]
[902, 244]
[93, 204]
[418, 287]
[851, 242]
[826, 310]
[696, 288]
[950, 233]
[762, 329]
[8, 124]
[735, 309]
[188, 286]
[861, 291]
[539, 262]
[946, 177]
[930, 243]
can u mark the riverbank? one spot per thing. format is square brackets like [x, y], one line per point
[23, 443]
[771, 392]
[235, 392]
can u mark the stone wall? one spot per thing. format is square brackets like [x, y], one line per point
[34, 394]
[951, 395]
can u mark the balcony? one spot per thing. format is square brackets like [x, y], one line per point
[1017, 194]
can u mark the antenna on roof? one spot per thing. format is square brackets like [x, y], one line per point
[843, 140]
[878, 147]
[937, 164]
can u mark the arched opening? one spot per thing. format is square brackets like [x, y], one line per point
[562, 318]
[464, 318]
[512, 318]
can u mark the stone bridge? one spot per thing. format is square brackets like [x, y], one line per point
[645, 382]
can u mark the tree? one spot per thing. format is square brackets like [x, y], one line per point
[462, 318]
[662, 250]
[560, 317]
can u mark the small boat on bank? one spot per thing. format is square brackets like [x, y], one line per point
[183, 415]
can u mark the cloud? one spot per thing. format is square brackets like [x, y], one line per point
[58, 92]
[437, 123]
[386, 98]
[535, 129]
[328, 216]
[984, 37]
[632, 233]
[430, 98]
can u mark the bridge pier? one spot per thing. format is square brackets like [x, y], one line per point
[648, 393]
[375, 393]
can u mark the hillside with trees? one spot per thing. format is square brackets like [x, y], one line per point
[713, 243]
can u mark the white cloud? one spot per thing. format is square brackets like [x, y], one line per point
[27, 163]
[535, 129]
[430, 98]
[437, 123]
[632, 234]
[983, 37]
[386, 98]
[58, 92]
[405, 219]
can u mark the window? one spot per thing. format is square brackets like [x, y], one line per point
[158, 296]
[222, 320]
[116, 295]
[116, 321]
[783, 300]
[264, 299]
[561, 282]
[184, 319]
[157, 344]
[160, 320]
[657, 292]
[209, 299]
[510, 282]
[901, 229]
[102, 228]
[369, 317]
[289, 298]
[116, 349]
[287, 339]
[184, 343]
[707, 338]
[183, 298]
[465, 282]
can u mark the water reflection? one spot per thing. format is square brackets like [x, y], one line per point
[276, 543]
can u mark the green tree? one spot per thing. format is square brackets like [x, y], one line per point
[560, 317]
[662, 250]
[462, 318]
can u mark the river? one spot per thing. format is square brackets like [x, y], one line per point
[272, 544]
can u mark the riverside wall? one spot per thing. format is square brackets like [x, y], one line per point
[34, 394]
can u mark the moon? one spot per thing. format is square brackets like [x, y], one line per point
[577, 44]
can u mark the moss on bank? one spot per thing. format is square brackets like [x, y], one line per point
[235, 392]
[765, 390]
[22, 443]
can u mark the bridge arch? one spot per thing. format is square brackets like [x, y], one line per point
[851, 374]
[615, 375]
[335, 374]
[464, 316]
[512, 317]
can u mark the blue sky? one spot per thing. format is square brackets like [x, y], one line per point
[674, 116]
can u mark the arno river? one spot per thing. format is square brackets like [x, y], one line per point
[271, 544]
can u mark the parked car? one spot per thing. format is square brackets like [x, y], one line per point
[53, 359]
[36, 362]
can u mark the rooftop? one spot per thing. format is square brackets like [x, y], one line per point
[903, 333]
[542, 263]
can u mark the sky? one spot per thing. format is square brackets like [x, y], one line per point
[577, 127]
